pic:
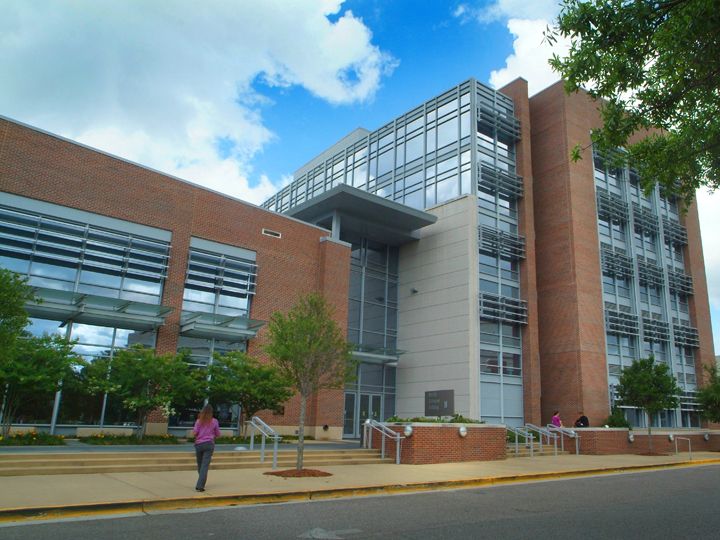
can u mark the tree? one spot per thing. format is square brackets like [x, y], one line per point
[708, 395]
[649, 386]
[14, 293]
[144, 381]
[235, 377]
[34, 366]
[654, 64]
[310, 351]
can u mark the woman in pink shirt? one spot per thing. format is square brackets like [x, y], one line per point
[556, 421]
[205, 430]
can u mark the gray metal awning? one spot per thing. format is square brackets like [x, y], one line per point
[67, 306]
[358, 212]
[372, 355]
[224, 327]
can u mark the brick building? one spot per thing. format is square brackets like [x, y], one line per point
[122, 254]
[540, 278]
[464, 252]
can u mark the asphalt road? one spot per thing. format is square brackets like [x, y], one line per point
[674, 504]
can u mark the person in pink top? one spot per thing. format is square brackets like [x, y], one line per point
[206, 430]
[556, 421]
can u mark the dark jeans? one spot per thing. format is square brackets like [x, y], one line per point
[203, 455]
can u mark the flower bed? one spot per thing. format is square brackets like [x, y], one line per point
[102, 439]
[31, 438]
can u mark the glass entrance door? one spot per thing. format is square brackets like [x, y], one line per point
[349, 422]
[357, 411]
[370, 405]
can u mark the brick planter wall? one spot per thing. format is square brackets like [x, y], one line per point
[615, 441]
[441, 443]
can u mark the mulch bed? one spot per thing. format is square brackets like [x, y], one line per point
[302, 473]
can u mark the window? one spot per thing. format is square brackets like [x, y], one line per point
[219, 284]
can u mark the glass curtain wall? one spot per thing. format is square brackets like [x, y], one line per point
[372, 309]
[645, 288]
[420, 159]
[502, 311]
[460, 142]
[77, 257]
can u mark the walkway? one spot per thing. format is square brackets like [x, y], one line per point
[42, 497]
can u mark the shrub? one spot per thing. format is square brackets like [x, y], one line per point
[103, 439]
[455, 419]
[617, 419]
[32, 439]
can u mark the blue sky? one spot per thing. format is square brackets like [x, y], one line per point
[236, 95]
[433, 52]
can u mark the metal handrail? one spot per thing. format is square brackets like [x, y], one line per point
[675, 438]
[386, 433]
[543, 432]
[570, 433]
[521, 431]
[267, 433]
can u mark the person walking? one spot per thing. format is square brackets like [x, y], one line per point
[206, 430]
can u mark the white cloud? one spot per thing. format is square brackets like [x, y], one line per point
[508, 9]
[527, 22]
[709, 212]
[160, 83]
[530, 56]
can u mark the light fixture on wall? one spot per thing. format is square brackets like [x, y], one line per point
[408, 431]
[413, 290]
[671, 437]
[706, 436]
[462, 431]
[631, 436]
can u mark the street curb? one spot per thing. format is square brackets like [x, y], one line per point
[43, 513]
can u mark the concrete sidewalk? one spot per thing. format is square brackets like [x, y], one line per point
[46, 497]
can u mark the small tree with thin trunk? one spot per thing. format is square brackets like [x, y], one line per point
[144, 381]
[29, 365]
[649, 386]
[14, 293]
[708, 395]
[310, 351]
[235, 377]
[33, 366]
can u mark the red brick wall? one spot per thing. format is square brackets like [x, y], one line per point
[44, 167]
[518, 91]
[615, 441]
[443, 444]
[572, 336]
[572, 339]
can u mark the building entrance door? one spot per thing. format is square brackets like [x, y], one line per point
[349, 421]
[357, 411]
[370, 407]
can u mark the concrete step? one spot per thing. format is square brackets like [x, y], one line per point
[524, 451]
[130, 462]
[105, 469]
[91, 456]
[239, 461]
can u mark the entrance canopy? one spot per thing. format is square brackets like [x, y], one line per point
[346, 210]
